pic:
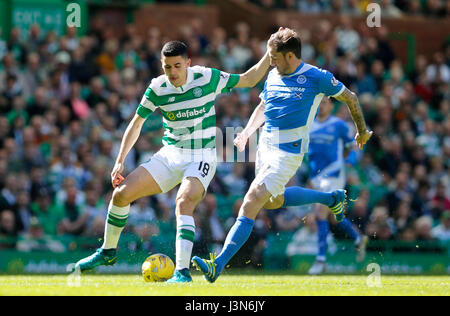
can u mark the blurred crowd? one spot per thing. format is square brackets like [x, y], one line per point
[65, 102]
[389, 8]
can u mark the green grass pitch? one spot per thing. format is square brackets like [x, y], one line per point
[227, 285]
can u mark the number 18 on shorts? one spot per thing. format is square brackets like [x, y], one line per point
[169, 166]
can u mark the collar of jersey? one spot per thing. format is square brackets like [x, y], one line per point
[295, 71]
[190, 77]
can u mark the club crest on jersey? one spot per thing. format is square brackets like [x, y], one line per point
[301, 79]
[197, 92]
[334, 81]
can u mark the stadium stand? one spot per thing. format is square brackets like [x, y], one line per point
[65, 101]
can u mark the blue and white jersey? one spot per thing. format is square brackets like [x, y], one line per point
[291, 104]
[328, 139]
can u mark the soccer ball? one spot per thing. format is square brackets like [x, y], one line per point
[157, 268]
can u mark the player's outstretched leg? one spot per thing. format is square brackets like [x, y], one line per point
[101, 257]
[236, 237]
[337, 208]
[295, 196]
[137, 184]
[106, 255]
[209, 267]
[254, 200]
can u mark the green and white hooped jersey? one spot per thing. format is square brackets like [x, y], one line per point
[189, 117]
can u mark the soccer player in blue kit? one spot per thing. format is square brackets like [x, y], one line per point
[289, 104]
[330, 148]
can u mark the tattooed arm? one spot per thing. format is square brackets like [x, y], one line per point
[362, 134]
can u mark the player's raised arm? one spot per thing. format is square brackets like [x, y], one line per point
[252, 76]
[350, 98]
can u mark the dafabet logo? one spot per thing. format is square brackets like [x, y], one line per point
[187, 114]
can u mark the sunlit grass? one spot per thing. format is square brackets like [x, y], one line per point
[235, 285]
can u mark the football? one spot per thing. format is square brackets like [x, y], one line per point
[157, 268]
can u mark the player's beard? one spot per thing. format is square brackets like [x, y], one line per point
[283, 71]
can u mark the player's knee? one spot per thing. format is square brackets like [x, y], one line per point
[186, 203]
[254, 200]
[189, 196]
[121, 196]
[258, 194]
[249, 210]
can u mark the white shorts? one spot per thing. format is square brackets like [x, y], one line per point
[170, 165]
[275, 167]
[328, 184]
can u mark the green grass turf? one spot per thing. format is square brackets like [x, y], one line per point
[239, 285]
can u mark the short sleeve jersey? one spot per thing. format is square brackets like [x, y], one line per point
[291, 101]
[189, 117]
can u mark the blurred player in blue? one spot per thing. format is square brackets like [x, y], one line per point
[330, 148]
[289, 104]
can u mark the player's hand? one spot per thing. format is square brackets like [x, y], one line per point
[116, 177]
[362, 138]
[240, 141]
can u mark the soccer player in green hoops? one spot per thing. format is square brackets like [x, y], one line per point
[185, 96]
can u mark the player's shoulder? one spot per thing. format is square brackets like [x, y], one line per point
[158, 83]
[200, 69]
[312, 70]
[201, 74]
[323, 78]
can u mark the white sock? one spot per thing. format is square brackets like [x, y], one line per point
[185, 241]
[115, 222]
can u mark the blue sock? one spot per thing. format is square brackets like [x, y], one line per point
[322, 232]
[294, 196]
[347, 227]
[237, 236]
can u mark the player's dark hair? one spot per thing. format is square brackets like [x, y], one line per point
[285, 41]
[174, 48]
